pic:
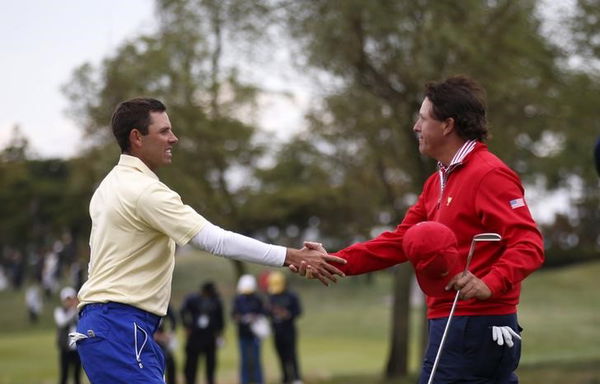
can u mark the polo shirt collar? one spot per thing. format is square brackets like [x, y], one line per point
[134, 162]
[459, 156]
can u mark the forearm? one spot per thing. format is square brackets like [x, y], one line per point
[218, 241]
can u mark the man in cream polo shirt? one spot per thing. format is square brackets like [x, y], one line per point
[136, 222]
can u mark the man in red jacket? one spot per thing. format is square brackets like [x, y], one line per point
[472, 192]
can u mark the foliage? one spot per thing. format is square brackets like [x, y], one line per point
[183, 63]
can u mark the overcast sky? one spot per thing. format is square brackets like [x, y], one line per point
[42, 42]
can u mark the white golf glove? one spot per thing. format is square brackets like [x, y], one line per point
[503, 335]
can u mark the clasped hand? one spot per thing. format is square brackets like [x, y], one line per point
[314, 263]
[470, 286]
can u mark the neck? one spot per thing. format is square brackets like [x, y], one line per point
[446, 157]
[139, 156]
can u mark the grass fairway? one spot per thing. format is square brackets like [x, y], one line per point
[345, 328]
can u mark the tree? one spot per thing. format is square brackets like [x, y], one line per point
[187, 64]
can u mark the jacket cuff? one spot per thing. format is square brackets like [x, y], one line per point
[494, 283]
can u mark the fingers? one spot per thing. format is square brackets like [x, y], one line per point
[302, 269]
[497, 335]
[452, 284]
[314, 245]
[469, 286]
[334, 259]
[515, 334]
[507, 337]
[504, 334]
[333, 270]
[311, 274]
[324, 273]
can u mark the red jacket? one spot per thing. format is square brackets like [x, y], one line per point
[481, 195]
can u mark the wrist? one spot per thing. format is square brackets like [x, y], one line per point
[291, 257]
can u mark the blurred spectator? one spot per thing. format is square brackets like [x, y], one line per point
[263, 281]
[3, 279]
[50, 272]
[76, 274]
[284, 308]
[202, 317]
[247, 308]
[33, 300]
[15, 267]
[65, 317]
[167, 340]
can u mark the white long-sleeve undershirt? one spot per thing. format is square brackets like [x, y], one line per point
[218, 241]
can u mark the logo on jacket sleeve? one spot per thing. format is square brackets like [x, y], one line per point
[517, 203]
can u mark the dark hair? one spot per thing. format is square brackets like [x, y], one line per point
[462, 99]
[209, 289]
[130, 114]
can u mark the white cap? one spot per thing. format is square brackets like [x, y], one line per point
[246, 284]
[67, 293]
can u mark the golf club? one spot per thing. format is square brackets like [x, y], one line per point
[488, 236]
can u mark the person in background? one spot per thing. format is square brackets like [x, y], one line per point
[166, 339]
[247, 308]
[65, 317]
[202, 317]
[34, 301]
[284, 308]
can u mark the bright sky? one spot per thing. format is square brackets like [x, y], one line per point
[42, 43]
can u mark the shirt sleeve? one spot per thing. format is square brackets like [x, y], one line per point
[501, 204]
[162, 209]
[218, 241]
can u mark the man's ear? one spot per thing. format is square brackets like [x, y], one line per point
[135, 138]
[448, 127]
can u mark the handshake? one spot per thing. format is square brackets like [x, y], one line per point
[313, 262]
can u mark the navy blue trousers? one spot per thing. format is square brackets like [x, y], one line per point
[470, 355]
[119, 347]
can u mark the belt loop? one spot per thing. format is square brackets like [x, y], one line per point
[105, 308]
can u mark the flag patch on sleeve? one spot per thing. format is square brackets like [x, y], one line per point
[517, 203]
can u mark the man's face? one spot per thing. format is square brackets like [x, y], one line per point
[429, 131]
[158, 143]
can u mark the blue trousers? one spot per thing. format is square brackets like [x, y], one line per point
[470, 355]
[119, 347]
[251, 369]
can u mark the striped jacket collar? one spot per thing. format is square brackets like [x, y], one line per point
[459, 156]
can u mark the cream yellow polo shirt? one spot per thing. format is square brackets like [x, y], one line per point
[136, 221]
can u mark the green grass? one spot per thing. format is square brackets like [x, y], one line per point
[345, 328]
